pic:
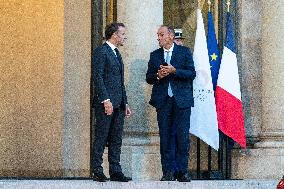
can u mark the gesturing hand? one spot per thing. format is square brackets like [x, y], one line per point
[168, 69]
[162, 73]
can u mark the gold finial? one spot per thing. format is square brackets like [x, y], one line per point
[228, 5]
[209, 4]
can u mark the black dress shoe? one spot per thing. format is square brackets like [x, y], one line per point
[168, 176]
[99, 177]
[183, 177]
[119, 177]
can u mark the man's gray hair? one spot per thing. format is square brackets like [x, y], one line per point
[170, 28]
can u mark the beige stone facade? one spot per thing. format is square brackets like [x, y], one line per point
[45, 68]
[32, 90]
[44, 88]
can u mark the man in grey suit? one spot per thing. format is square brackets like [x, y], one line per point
[109, 103]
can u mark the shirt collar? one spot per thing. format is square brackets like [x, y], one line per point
[112, 46]
[171, 49]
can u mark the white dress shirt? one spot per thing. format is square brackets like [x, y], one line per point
[112, 46]
[170, 52]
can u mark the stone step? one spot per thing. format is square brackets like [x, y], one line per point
[89, 184]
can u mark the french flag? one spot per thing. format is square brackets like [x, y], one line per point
[228, 94]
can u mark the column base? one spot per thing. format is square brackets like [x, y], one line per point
[271, 140]
[264, 162]
[139, 162]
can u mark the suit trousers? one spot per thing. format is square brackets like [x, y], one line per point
[108, 130]
[174, 124]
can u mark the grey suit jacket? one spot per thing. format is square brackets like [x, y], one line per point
[108, 77]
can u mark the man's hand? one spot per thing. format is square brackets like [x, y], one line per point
[162, 73]
[168, 69]
[108, 107]
[128, 112]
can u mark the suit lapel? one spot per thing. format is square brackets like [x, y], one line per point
[174, 55]
[113, 57]
[161, 55]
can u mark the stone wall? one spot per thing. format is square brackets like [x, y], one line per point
[77, 75]
[44, 88]
[31, 87]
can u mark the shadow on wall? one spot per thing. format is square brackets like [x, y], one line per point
[136, 88]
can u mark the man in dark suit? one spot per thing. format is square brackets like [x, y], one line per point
[109, 103]
[171, 72]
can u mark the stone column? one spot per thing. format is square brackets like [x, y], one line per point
[45, 88]
[265, 160]
[140, 156]
[77, 74]
[31, 88]
[272, 131]
[250, 65]
[272, 135]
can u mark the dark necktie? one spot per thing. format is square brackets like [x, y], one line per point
[118, 55]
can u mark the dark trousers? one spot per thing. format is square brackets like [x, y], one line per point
[108, 130]
[174, 124]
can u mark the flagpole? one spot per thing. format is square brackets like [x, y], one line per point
[228, 5]
[209, 4]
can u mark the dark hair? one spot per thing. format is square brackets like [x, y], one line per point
[111, 29]
[170, 28]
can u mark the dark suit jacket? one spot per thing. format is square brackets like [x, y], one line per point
[108, 77]
[181, 81]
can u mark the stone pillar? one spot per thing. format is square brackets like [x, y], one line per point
[31, 88]
[265, 160]
[250, 65]
[140, 156]
[77, 74]
[272, 131]
[44, 88]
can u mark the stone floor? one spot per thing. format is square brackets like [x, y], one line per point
[89, 184]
